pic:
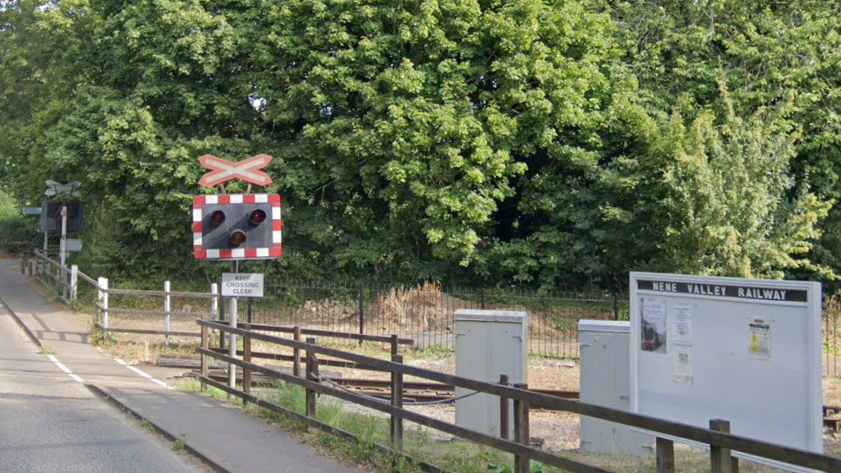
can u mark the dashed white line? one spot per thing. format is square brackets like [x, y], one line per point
[65, 369]
[142, 373]
[119, 361]
[145, 375]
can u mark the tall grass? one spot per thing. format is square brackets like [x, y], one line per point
[453, 455]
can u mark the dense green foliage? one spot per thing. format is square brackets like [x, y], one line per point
[537, 142]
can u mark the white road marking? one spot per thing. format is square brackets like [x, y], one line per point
[65, 369]
[120, 362]
[142, 373]
[145, 375]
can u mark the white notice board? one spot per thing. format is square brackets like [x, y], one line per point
[742, 350]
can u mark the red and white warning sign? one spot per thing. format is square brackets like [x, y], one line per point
[236, 226]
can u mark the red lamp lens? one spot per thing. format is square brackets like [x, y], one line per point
[217, 218]
[257, 217]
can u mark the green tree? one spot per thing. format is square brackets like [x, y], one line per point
[411, 119]
[767, 54]
[709, 195]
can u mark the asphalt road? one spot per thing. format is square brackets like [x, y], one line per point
[51, 423]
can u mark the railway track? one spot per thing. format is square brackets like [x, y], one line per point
[426, 392]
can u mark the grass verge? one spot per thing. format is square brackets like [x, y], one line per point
[453, 455]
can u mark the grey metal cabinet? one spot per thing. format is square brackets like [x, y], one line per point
[606, 381]
[488, 343]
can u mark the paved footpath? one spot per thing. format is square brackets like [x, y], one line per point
[221, 435]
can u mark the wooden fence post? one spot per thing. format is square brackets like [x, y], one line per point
[503, 410]
[246, 372]
[521, 431]
[397, 401]
[721, 461]
[394, 345]
[312, 374]
[167, 310]
[205, 343]
[74, 282]
[665, 455]
[102, 298]
[296, 353]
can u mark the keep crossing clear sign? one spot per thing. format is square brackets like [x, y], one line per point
[242, 285]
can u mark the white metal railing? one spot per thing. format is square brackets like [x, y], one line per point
[53, 275]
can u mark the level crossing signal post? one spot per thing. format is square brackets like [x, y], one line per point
[236, 227]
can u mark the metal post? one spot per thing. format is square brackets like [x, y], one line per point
[521, 430]
[167, 310]
[63, 244]
[503, 409]
[232, 339]
[232, 347]
[361, 310]
[397, 401]
[46, 239]
[249, 310]
[74, 282]
[221, 320]
[615, 307]
[102, 298]
[214, 302]
[63, 248]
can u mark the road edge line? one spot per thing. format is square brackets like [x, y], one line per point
[99, 392]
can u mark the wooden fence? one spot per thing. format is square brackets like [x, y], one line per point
[720, 441]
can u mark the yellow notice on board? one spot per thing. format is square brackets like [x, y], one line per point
[759, 333]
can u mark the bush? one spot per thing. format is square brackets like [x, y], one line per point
[18, 233]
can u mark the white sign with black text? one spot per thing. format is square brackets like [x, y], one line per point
[242, 285]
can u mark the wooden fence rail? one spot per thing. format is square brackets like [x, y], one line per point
[720, 441]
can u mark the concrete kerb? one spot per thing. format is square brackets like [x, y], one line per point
[20, 323]
[97, 391]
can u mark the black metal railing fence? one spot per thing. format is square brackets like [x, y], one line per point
[832, 335]
[424, 312]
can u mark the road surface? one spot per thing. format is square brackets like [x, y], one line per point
[51, 423]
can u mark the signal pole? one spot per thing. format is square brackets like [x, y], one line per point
[62, 248]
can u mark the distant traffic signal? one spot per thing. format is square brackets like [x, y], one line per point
[51, 216]
[236, 226]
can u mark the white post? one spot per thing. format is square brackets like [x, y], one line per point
[232, 348]
[167, 309]
[102, 297]
[214, 303]
[74, 281]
